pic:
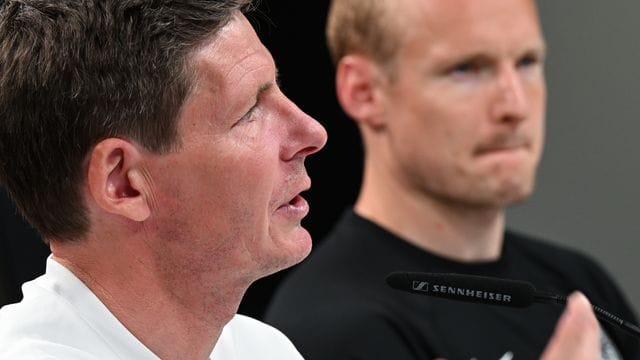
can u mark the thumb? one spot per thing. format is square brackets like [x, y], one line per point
[577, 333]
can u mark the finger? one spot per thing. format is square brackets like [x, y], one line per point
[577, 333]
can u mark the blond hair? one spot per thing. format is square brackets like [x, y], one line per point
[366, 27]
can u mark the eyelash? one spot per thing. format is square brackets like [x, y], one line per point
[247, 115]
[528, 60]
[476, 66]
[466, 67]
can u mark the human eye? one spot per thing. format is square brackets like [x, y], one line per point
[248, 116]
[251, 113]
[463, 68]
[531, 59]
[528, 60]
[469, 68]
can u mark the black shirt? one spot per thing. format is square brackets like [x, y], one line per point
[336, 304]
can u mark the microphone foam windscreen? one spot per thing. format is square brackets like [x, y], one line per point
[469, 288]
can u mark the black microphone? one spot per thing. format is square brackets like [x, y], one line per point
[489, 290]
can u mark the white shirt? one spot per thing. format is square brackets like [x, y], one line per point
[60, 318]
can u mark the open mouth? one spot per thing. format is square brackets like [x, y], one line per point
[296, 201]
[296, 208]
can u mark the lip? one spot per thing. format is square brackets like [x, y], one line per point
[504, 156]
[504, 148]
[297, 206]
[296, 209]
[503, 152]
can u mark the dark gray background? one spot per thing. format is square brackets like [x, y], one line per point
[589, 180]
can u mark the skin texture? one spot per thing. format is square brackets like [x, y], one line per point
[177, 238]
[464, 111]
[577, 333]
[453, 131]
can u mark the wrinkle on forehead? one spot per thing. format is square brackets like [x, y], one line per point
[236, 34]
[222, 63]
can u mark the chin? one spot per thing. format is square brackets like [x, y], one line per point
[299, 246]
[279, 265]
[515, 195]
[289, 251]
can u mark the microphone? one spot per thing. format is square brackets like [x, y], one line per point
[489, 290]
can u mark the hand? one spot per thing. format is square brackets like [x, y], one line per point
[577, 334]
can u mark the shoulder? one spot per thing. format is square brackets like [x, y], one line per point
[551, 251]
[39, 315]
[245, 325]
[45, 326]
[38, 349]
[247, 338]
[350, 331]
[572, 267]
[24, 334]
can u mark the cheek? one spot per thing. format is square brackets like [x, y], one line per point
[442, 131]
[241, 187]
[233, 188]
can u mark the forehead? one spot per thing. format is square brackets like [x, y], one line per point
[233, 56]
[472, 23]
[229, 69]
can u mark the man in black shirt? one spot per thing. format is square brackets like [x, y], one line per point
[449, 97]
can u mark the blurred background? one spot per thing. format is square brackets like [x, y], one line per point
[588, 183]
[588, 186]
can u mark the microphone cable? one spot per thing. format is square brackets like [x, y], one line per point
[490, 290]
[549, 298]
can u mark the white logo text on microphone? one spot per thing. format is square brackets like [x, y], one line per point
[457, 292]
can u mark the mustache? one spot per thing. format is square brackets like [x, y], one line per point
[298, 177]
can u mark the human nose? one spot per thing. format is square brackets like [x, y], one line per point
[511, 103]
[306, 133]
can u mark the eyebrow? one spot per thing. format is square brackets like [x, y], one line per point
[482, 57]
[263, 88]
[277, 76]
[268, 85]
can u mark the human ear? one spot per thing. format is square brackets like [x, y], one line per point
[358, 81]
[115, 179]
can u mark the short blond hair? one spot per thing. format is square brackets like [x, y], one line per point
[367, 27]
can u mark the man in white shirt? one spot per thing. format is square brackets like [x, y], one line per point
[61, 318]
[150, 145]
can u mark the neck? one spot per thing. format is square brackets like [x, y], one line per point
[454, 230]
[174, 313]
